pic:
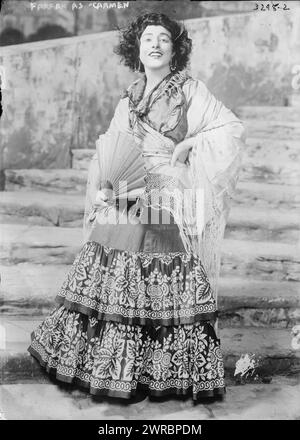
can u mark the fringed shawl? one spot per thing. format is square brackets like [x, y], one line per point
[212, 168]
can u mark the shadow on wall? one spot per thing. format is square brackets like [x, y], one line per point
[10, 36]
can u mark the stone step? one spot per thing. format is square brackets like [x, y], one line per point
[50, 245]
[30, 289]
[258, 303]
[248, 193]
[268, 113]
[294, 101]
[286, 148]
[272, 348]
[264, 195]
[264, 150]
[263, 224]
[277, 400]
[81, 158]
[263, 260]
[273, 162]
[273, 129]
[273, 170]
[65, 180]
[42, 208]
[66, 210]
[39, 244]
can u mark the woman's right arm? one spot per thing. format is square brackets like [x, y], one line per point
[119, 122]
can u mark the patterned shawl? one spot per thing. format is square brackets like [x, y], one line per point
[212, 169]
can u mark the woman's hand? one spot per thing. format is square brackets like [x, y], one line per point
[182, 150]
[103, 197]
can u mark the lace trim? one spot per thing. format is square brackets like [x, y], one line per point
[159, 181]
[153, 193]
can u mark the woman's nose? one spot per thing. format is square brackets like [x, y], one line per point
[155, 42]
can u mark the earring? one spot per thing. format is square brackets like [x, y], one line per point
[173, 65]
[138, 66]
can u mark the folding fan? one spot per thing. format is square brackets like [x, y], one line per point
[121, 164]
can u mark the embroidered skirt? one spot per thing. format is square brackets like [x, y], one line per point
[130, 320]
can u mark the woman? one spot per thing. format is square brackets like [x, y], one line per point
[139, 311]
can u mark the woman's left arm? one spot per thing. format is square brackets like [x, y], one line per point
[215, 137]
[205, 113]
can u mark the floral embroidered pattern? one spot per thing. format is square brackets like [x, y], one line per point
[113, 358]
[137, 287]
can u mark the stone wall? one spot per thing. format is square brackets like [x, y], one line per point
[60, 94]
[247, 58]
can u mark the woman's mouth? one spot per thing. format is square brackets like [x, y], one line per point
[155, 54]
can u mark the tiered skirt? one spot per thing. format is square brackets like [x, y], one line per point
[128, 321]
[134, 320]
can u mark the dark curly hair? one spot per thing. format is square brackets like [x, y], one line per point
[128, 47]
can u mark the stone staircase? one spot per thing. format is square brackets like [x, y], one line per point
[259, 296]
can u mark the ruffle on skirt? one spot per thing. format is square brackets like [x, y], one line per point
[129, 321]
[113, 359]
[138, 287]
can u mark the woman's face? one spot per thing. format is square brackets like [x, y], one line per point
[156, 47]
